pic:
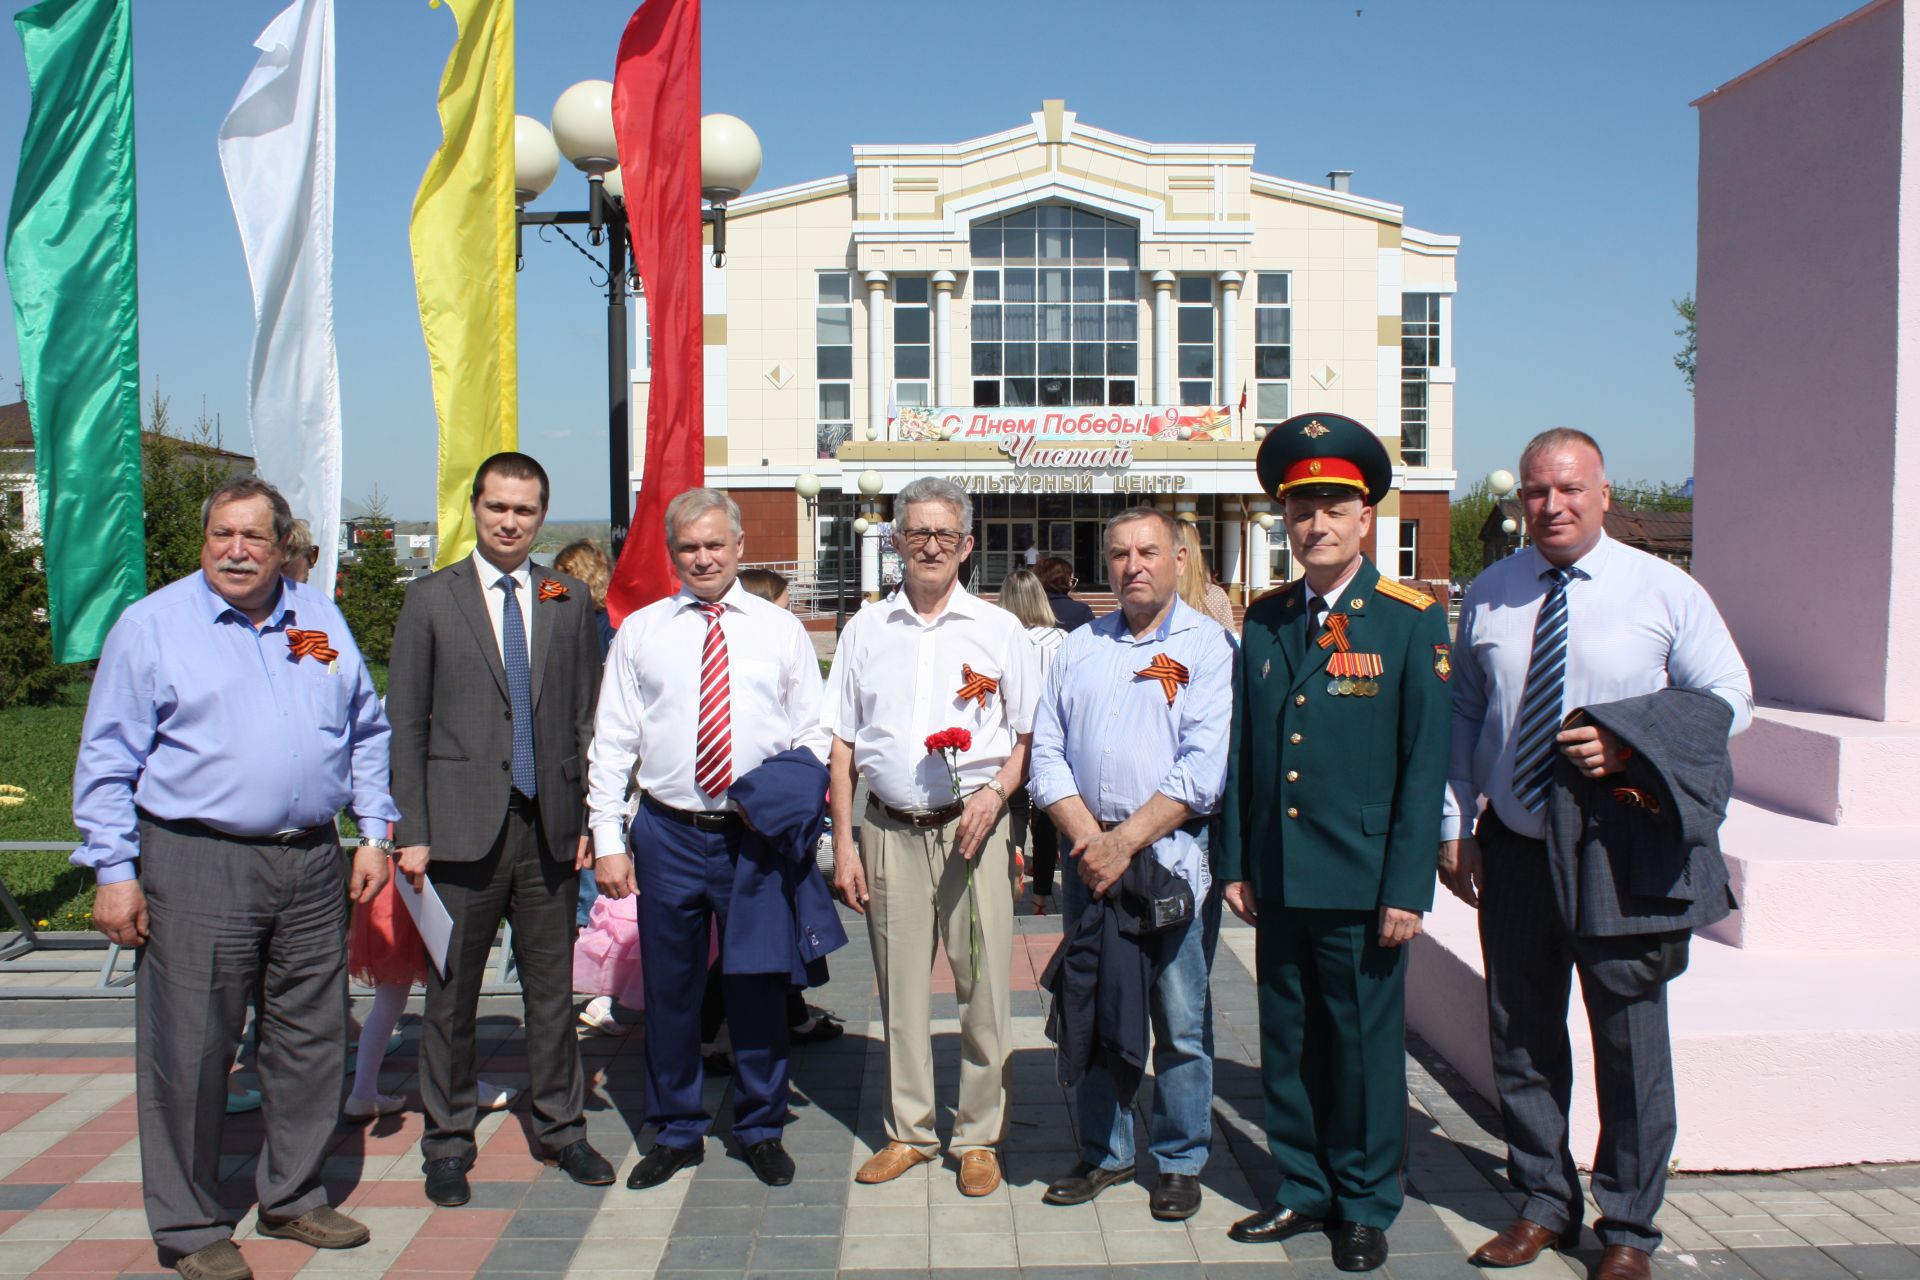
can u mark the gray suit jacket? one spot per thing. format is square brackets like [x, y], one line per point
[453, 725]
[1639, 852]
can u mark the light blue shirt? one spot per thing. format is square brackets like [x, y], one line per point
[197, 716]
[1635, 625]
[1108, 734]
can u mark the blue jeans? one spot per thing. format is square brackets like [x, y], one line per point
[1180, 1128]
[589, 892]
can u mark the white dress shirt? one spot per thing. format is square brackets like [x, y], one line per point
[650, 701]
[490, 575]
[898, 679]
[1635, 625]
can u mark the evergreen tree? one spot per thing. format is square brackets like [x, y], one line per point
[373, 593]
[1686, 360]
[176, 476]
[28, 673]
[1466, 557]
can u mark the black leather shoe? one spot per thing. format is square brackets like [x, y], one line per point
[447, 1181]
[770, 1162]
[1176, 1199]
[1357, 1247]
[579, 1161]
[1276, 1224]
[1084, 1183]
[662, 1163]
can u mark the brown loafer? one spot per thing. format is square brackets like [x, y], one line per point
[890, 1161]
[220, 1260]
[323, 1227]
[979, 1172]
[1522, 1242]
[1623, 1262]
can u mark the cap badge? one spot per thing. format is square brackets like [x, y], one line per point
[1315, 429]
[1313, 468]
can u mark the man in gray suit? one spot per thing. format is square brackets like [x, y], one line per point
[1576, 621]
[495, 673]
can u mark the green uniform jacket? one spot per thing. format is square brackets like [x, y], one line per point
[1334, 801]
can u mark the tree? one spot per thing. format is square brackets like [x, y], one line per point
[1685, 360]
[177, 473]
[1647, 495]
[371, 597]
[1466, 558]
[28, 673]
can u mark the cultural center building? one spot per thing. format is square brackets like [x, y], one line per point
[1068, 322]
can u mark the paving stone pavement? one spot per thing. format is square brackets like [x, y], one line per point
[70, 1195]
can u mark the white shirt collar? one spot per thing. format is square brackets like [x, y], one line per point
[734, 597]
[490, 575]
[1333, 594]
[960, 603]
[1586, 566]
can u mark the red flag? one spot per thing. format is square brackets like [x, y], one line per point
[1243, 397]
[656, 117]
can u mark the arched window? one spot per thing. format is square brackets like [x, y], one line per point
[1056, 310]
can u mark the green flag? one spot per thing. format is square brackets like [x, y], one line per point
[70, 264]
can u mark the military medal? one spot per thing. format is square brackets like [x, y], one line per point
[1266, 668]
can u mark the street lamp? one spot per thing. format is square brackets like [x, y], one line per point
[1501, 481]
[583, 132]
[808, 487]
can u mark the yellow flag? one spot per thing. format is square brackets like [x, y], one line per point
[462, 235]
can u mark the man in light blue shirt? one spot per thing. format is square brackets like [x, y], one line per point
[1130, 757]
[1574, 620]
[231, 719]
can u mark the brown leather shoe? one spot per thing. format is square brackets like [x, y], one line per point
[1521, 1243]
[1623, 1262]
[220, 1260]
[890, 1161]
[979, 1172]
[323, 1227]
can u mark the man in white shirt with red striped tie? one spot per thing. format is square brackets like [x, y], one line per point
[700, 688]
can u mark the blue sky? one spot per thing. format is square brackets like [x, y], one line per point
[1554, 137]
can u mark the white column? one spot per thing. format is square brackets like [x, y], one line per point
[870, 558]
[1228, 357]
[1259, 564]
[1163, 389]
[943, 337]
[877, 378]
[1386, 545]
[1232, 568]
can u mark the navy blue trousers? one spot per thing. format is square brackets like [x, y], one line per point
[686, 882]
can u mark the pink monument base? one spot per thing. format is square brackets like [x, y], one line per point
[1796, 1032]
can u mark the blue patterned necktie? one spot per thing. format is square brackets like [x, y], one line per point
[1540, 707]
[513, 655]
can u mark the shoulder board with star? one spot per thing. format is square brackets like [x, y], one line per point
[1404, 594]
[1270, 592]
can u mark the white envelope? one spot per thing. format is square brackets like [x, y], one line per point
[429, 917]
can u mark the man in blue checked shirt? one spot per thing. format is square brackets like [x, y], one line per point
[1130, 758]
[231, 719]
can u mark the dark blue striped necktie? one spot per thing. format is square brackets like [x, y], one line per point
[1540, 706]
[513, 656]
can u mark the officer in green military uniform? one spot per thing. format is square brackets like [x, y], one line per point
[1339, 758]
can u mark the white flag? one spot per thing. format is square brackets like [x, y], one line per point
[276, 148]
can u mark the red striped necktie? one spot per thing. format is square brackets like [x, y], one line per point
[713, 739]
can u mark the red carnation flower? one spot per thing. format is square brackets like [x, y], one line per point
[950, 740]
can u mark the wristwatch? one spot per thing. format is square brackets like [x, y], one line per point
[370, 842]
[993, 785]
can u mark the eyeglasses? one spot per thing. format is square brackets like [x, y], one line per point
[945, 539]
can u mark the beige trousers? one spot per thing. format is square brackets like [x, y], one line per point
[917, 886]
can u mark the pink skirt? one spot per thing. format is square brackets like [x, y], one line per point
[383, 946]
[606, 955]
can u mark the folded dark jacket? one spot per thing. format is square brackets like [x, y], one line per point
[782, 918]
[1639, 851]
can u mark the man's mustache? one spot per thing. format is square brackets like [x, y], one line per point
[230, 565]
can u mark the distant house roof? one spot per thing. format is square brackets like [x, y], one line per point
[16, 432]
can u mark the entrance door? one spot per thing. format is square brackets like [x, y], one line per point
[1003, 546]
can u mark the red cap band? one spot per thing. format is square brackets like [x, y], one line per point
[1322, 471]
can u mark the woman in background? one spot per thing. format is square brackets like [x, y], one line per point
[1197, 586]
[1023, 595]
[1056, 575]
[586, 561]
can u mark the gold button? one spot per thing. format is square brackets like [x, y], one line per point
[1295, 739]
[1299, 699]
[1293, 813]
[1293, 775]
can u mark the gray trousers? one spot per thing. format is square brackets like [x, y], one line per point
[231, 924]
[538, 894]
[1531, 958]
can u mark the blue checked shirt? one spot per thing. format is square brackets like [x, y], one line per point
[196, 716]
[1107, 734]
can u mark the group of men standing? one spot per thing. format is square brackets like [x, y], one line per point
[1304, 776]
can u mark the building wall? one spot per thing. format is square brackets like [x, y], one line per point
[1432, 548]
[768, 516]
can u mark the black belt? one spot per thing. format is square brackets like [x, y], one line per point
[920, 819]
[699, 820]
[324, 831]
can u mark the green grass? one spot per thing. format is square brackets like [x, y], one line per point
[37, 749]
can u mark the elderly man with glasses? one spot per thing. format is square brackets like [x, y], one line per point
[934, 861]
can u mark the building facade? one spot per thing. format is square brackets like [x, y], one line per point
[1069, 322]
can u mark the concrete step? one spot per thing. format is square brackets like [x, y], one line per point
[1797, 879]
[1782, 1059]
